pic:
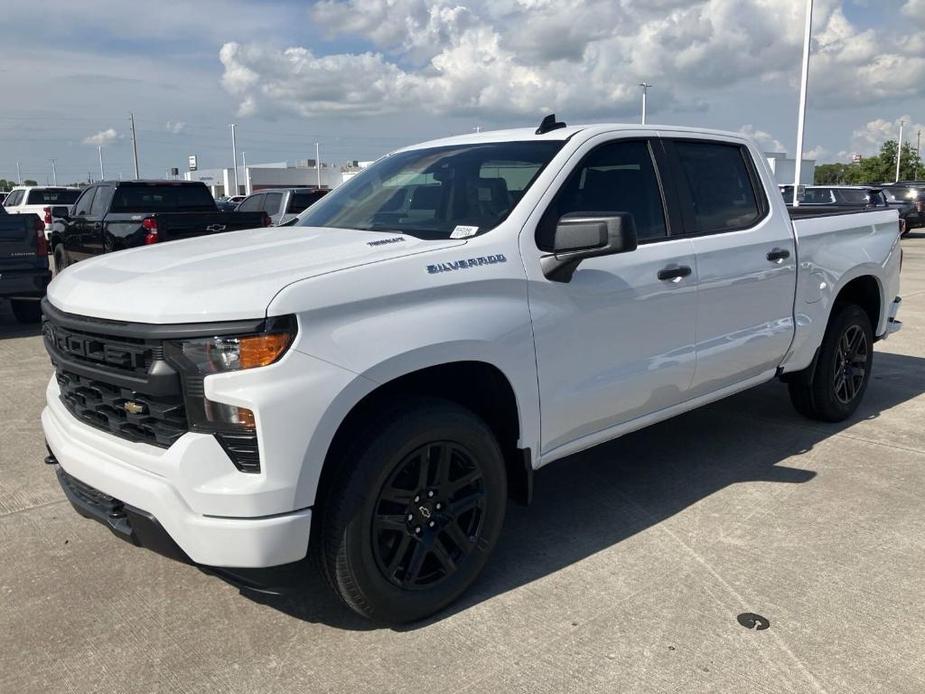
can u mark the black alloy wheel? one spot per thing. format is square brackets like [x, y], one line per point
[833, 386]
[414, 512]
[428, 515]
[850, 368]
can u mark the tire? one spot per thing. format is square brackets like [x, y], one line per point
[26, 311]
[832, 388]
[392, 552]
[62, 259]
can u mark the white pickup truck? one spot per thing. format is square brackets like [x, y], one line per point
[373, 384]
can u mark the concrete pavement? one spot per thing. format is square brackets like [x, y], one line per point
[626, 574]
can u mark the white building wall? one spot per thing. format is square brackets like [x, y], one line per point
[785, 169]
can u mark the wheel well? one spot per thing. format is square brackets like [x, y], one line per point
[477, 386]
[864, 292]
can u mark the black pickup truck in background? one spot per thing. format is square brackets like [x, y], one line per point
[24, 272]
[113, 215]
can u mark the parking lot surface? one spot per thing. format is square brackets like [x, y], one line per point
[627, 573]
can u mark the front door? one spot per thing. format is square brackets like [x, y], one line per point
[746, 260]
[616, 342]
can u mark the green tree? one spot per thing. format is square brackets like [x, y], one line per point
[831, 174]
[30, 182]
[881, 168]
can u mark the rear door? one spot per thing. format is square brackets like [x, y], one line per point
[75, 237]
[746, 262]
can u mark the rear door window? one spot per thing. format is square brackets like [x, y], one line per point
[719, 182]
[101, 202]
[272, 203]
[13, 198]
[84, 202]
[251, 204]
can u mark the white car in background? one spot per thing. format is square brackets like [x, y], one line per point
[39, 200]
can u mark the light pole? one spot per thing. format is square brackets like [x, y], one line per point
[645, 88]
[234, 158]
[19, 173]
[131, 117]
[102, 175]
[804, 85]
[247, 178]
[318, 163]
[54, 173]
[899, 149]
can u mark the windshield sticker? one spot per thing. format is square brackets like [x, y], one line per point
[382, 242]
[464, 232]
[466, 264]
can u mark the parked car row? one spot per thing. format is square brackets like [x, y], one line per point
[907, 197]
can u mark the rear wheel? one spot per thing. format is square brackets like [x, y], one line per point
[832, 389]
[416, 513]
[26, 311]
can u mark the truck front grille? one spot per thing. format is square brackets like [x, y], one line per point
[119, 384]
[124, 412]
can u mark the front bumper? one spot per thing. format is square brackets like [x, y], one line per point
[251, 542]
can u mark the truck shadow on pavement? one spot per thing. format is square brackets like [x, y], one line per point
[598, 498]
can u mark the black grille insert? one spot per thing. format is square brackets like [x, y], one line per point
[122, 411]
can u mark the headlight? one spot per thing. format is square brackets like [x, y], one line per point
[199, 357]
[211, 355]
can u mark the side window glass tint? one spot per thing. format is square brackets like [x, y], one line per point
[82, 206]
[615, 177]
[272, 202]
[101, 202]
[719, 184]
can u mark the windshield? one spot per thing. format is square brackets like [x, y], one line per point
[52, 196]
[162, 197]
[431, 192]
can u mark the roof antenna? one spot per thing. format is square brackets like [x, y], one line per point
[549, 123]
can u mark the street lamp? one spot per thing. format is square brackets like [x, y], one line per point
[804, 84]
[645, 87]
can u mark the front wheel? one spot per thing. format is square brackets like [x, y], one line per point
[416, 512]
[832, 389]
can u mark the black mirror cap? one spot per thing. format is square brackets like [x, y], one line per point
[581, 235]
[62, 211]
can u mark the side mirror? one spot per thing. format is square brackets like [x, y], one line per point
[581, 235]
[61, 211]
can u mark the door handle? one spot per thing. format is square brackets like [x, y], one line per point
[778, 254]
[674, 272]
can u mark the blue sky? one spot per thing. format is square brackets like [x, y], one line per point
[366, 76]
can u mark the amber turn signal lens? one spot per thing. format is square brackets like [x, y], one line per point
[260, 350]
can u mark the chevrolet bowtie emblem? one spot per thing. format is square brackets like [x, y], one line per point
[133, 407]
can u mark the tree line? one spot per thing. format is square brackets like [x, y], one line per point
[880, 168]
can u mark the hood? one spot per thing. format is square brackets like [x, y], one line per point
[220, 277]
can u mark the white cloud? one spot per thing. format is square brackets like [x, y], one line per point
[914, 9]
[103, 137]
[816, 153]
[175, 127]
[868, 139]
[765, 140]
[586, 57]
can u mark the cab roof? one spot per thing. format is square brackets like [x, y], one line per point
[565, 133]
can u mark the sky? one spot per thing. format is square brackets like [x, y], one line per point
[363, 77]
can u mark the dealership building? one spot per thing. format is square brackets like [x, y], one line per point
[300, 174]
